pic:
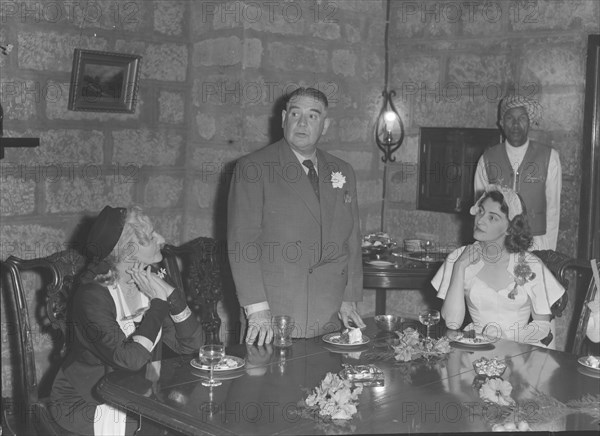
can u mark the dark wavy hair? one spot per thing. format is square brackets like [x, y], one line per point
[518, 236]
[308, 92]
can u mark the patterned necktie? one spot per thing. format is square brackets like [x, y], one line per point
[312, 175]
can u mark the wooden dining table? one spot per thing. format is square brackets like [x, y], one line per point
[553, 392]
[398, 271]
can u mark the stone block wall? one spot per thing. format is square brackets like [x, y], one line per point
[87, 159]
[246, 56]
[212, 78]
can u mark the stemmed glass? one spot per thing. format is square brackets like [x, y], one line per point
[211, 355]
[427, 245]
[429, 318]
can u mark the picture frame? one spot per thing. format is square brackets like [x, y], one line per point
[104, 81]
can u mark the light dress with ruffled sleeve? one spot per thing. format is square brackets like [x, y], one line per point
[505, 316]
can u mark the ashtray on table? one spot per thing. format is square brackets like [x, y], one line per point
[387, 323]
[367, 375]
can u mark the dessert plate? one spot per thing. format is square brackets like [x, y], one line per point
[590, 362]
[336, 339]
[477, 342]
[228, 363]
[380, 263]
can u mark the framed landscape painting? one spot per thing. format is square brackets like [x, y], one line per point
[103, 81]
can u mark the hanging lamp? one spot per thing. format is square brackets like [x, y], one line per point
[389, 128]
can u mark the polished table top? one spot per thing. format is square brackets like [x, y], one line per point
[417, 396]
[403, 263]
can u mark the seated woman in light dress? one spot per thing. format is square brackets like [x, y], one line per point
[502, 285]
[122, 313]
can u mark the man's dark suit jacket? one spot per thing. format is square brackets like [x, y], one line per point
[285, 246]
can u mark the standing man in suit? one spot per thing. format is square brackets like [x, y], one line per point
[293, 229]
[528, 167]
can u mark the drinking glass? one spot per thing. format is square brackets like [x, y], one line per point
[429, 318]
[211, 355]
[283, 325]
[427, 245]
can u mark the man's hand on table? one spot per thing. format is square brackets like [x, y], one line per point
[348, 313]
[259, 327]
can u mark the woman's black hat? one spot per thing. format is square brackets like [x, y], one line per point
[105, 233]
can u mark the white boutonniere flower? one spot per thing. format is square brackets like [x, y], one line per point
[338, 179]
[161, 273]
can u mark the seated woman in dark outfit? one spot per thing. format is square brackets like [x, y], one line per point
[121, 313]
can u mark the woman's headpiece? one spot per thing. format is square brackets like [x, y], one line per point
[511, 198]
[103, 237]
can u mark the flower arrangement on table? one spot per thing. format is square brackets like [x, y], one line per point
[335, 399]
[410, 345]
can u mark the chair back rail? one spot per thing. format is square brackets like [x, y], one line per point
[17, 307]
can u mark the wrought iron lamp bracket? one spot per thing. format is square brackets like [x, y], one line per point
[388, 146]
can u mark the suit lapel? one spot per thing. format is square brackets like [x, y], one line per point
[327, 192]
[292, 173]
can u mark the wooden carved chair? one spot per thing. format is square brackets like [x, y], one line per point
[199, 267]
[59, 272]
[560, 265]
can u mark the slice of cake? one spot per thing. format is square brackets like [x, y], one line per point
[354, 336]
